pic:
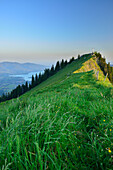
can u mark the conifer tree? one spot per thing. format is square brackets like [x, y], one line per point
[32, 82]
[46, 74]
[52, 70]
[62, 64]
[57, 67]
[71, 60]
[36, 77]
[65, 63]
[78, 56]
[26, 86]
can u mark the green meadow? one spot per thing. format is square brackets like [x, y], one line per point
[65, 123]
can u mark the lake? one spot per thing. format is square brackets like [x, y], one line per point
[26, 77]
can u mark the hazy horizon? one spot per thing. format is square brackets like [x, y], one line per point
[45, 31]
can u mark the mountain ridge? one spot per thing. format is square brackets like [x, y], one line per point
[63, 123]
[20, 68]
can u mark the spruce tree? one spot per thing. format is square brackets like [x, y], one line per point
[57, 67]
[32, 82]
[52, 70]
[65, 63]
[78, 56]
[36, 77]
[62, 64]
[26, 86]
[71, 60]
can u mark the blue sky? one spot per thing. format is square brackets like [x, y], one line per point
[44, 31]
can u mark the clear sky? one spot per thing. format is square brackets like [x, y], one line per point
[44, 31]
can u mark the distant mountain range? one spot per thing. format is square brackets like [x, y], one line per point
[111, 65]
[19, 68]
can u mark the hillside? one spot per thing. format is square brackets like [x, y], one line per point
[66, 122]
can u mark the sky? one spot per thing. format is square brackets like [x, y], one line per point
[44, 31]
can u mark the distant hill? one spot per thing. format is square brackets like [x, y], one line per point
[19, 68]
[111, 65]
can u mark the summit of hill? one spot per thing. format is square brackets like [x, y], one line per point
[66, 122]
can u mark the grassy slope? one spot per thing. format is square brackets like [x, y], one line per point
[64, 123]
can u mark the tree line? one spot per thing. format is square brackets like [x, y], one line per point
[36, 80]
[106, 68]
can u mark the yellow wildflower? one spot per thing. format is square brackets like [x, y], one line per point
[109, 151]
[110, 130]
[104, 120]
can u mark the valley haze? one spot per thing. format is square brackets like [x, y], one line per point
[13, 74]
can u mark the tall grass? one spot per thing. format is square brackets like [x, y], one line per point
[67, 125]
